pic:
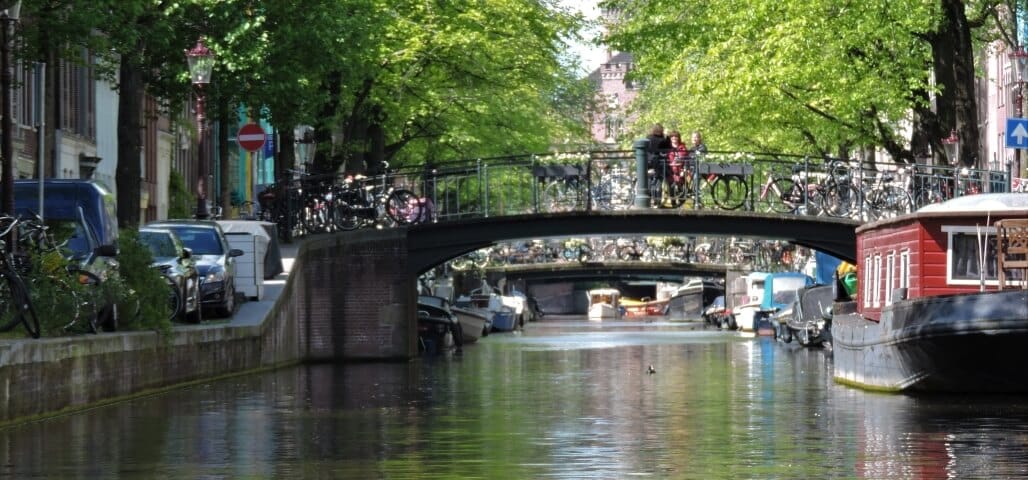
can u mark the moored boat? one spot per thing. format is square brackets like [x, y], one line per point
[941, 301]
[438, 328]
[474, 324]
[604, 304]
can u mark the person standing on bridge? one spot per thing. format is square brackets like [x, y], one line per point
[656, 153]
[680, 166]
[698, 147]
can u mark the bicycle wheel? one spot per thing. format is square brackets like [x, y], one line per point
[16, 306]
[729, 192]
[840, 200]
[778, 196]
[559, 196]
[891, 201]
[402, 207]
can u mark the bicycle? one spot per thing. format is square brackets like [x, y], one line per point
[59, 269]
[15, 303]
[362, 201]
[725, 184]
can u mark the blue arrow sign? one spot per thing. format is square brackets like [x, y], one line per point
[1017, 133]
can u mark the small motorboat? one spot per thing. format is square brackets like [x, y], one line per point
[604, 304]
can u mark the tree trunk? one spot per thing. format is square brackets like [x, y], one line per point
[130, 143]
[954, 62]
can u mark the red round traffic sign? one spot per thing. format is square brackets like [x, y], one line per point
[251, 137]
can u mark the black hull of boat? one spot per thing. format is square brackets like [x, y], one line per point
[956, 343]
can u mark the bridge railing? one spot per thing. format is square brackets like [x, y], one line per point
[606, 180]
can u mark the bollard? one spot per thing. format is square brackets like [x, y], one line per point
[642, 192]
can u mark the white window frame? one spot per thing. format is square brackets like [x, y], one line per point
[877, 301]
[904, 269]
[867, 280]
[950, 230]
[890, 275]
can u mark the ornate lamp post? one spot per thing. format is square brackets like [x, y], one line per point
[952, 146]
[1019, 59]
[8, 18]
[201, 62]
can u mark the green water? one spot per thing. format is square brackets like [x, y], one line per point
[566, 399]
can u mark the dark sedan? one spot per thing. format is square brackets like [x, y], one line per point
[214, 260]
[175, 262]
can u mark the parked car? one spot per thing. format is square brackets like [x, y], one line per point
[215, 261]
[175, 261]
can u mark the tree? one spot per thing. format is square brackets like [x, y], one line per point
[801, 75]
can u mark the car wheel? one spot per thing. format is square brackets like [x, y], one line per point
[176, 303]
[229, 306]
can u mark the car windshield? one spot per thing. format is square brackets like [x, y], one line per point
[71, 236]
[202, 241]
[160, 244]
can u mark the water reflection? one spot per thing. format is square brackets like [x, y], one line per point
[564, 400]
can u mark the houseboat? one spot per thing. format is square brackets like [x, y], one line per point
[604, 304]
[941, 301]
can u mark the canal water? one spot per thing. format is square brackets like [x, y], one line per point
[565, 399]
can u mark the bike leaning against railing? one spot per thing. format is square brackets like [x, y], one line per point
[15, 303]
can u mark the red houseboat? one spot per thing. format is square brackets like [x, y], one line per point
[941, 301]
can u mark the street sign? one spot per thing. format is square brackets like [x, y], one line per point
[1017, 133]
[251, 137]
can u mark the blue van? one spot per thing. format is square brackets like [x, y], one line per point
[85, 204]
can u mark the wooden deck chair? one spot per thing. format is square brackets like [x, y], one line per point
[1012, 251]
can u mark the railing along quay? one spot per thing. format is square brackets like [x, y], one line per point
[606, 180]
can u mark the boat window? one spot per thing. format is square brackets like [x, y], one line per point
[904, 273]
[877, 294]
[867, 281]
[890, 274]
[964, 256]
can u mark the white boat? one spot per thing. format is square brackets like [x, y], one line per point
[473, 323]
[747, 300]
[604, 304]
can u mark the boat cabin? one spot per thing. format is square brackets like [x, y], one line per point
[942, 249]
[604, 303]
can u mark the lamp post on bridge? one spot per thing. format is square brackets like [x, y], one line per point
[201, 62]
[1019, 59]
[642, 191]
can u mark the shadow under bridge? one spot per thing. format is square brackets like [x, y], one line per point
[432, 244]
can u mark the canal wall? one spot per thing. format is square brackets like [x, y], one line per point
[347, 297]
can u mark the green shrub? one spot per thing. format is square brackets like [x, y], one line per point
[62, 303]
[139, 289]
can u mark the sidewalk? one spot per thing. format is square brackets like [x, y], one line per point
[253, 312]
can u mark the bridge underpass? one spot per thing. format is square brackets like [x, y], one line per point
[360, 288]
[557, 286]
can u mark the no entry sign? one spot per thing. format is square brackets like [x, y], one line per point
[251, 137]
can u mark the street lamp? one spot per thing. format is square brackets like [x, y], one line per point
[201, 62]
[1019, 59]
[952, 146]
[8, 17]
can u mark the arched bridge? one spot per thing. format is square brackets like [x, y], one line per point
[432, 244]
[358, 289]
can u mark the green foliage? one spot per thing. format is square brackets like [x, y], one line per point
[62, 303]
[180, 199]
[780, 76]
[140, 290]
